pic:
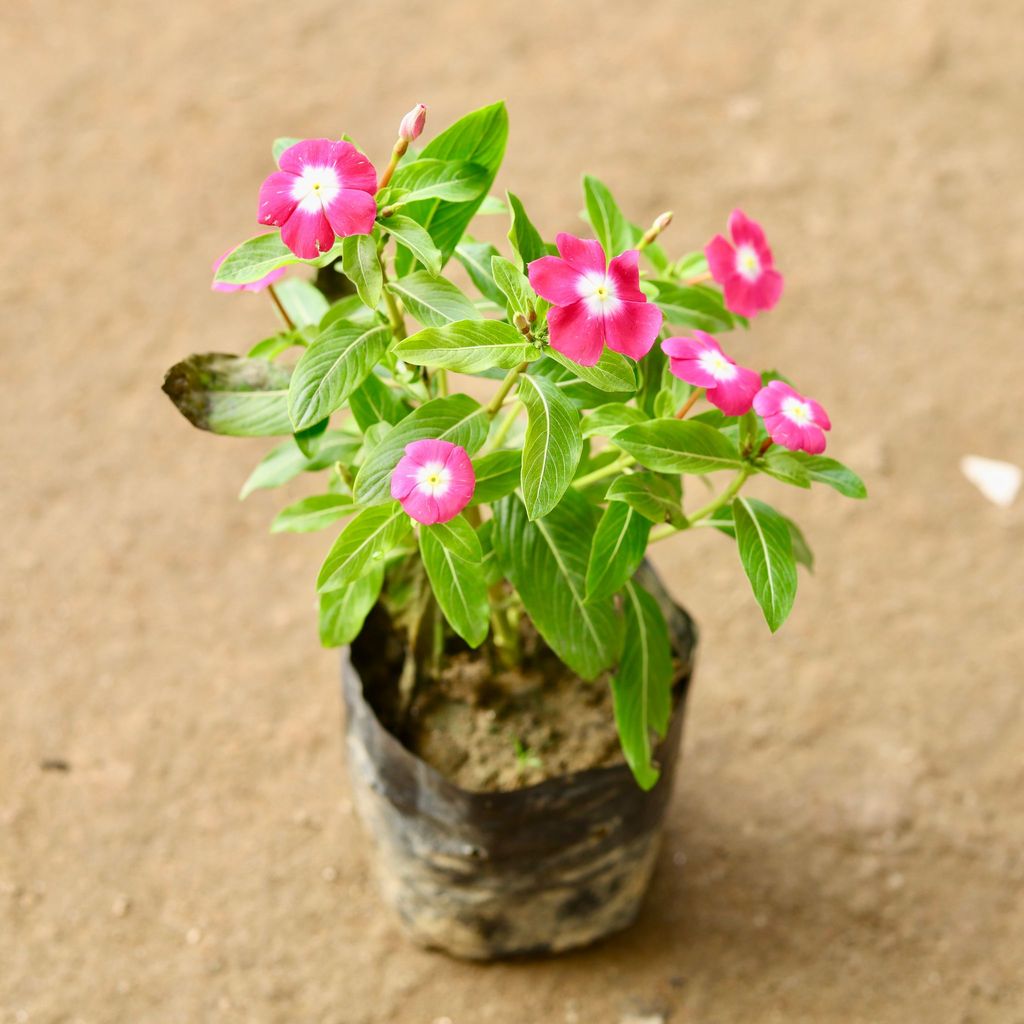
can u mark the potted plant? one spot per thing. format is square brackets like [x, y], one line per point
[487, 578]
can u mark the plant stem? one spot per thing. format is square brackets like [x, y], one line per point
[610, 470]
[394, 313]
[506, 634]
[723, 499]
[280, 308]
[442, 383]
[505, 426]
[396, 154]
[506, 386]
[699, 279]
[689, 403]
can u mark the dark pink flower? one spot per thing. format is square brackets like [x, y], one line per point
[595, 303]
[434, 481]
[323, 189]
[412, 124]
[745, 269]
[700, 361]
[252, 286]
[795, 422]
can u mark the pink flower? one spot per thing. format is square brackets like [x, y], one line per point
[323, 189]
[412, 124]
[594, 303]
[700, 361]
[252, 286]
[434, 481]
[747, 273]
[795, 422]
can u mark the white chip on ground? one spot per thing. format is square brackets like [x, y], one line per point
[998, 481]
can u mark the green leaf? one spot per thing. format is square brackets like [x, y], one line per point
[581, 394]
[679, 446]
[286, 461]
[766, 551]
[374, 402]
[525, 238]
[308, 439]
[231, 395]
[652, 375]
[343, 612]
[617, 550]
[490, 567]
[608, 420]
[642, 687]
[433, 301]
[801, 549]
[257, 257]
[476, 258]
[281, 144]
[492, 205]
[513, 286]
[479, 138]
[612, 372]
[823, 470]
[693, 306]
[332, 368]
[350, 308]
[552, 446]
[362, 545]
[454, 180]
[452, 557]
[611, 228]
[303, 302]
[467, 346]
[312, 513]
[458, 419]
[655, 497]
[416, 239]
[497, 474]
[361, 266]
[546, 561]
[277, 344]
[783, 466]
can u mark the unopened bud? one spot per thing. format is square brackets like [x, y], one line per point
[662, 221]
[412, 124]
[521, 323]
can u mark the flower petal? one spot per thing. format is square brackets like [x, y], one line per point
[555, 280]
[745, 231]
[404, 478]
[422, 506]
[624, 274]
[354, 169]
[632, 328]
[721, 259]
[351, 212]
[430, 449]
[307, 234]
[735, 397]
[582, 254]
[276, 202]
[576, 332]
[819, 415]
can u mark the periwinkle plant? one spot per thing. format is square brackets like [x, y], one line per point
[542, 500]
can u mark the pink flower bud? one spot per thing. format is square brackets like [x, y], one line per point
[412, 124]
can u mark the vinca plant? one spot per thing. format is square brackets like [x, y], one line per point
[602, 391]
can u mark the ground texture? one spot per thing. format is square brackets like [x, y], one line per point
[847, 841]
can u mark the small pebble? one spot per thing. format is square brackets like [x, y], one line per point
[121, 906]
[193, 936]
[329, 874]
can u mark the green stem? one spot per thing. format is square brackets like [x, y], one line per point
[689, 403]
[272, 292]
[723, 499]
[394, 313]
[506, 386]
[505, 426]
[610, 470]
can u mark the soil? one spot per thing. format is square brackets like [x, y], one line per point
[845, 840]
[486, 727]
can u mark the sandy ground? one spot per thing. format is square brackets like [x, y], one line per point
[847, 842]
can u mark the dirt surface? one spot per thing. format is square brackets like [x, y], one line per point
[847, 840]
[487, 727]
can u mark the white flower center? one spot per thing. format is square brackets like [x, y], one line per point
[748, 264]
[435, 478]
[717, 365]
[797, 411]
[597, 290]
[315, 188]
